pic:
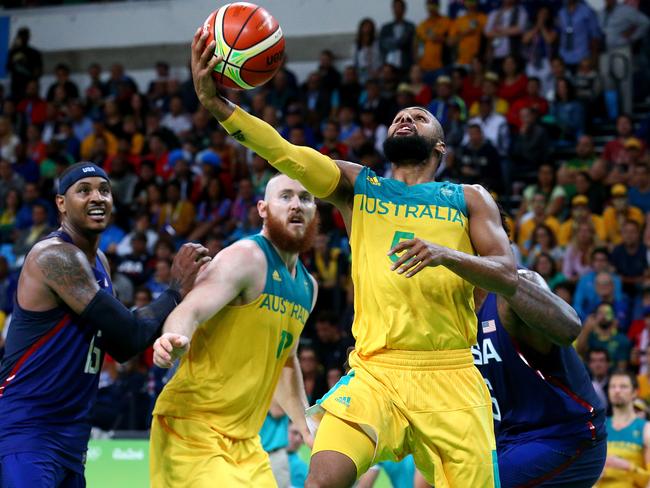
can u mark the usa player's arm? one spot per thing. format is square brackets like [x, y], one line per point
[321, 176]
[66, 273]
[493, 269]
[536, 316]
[231, 274]
[290, 391]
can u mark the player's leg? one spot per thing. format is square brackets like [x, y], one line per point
[550, 462]
[342, 452]
[453, 442]
[188, 453]
[30, 469]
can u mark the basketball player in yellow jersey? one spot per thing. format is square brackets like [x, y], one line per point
[418, 249]
[244, 317]
[628, 438]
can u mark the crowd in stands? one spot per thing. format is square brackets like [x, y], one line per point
[525, 91]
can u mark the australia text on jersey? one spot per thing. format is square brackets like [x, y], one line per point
[371, 205]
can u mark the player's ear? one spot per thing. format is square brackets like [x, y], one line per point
[262, 207]
[60, 203]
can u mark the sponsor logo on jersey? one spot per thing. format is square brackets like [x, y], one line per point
[373, 180]
[345, 400]
[276, 275]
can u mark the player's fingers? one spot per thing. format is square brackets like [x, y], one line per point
[401, 246]
[202, 262]
[409, 264]
[404, 258]
[165, 344]
[207, 54]
[214, 62]
[421, 265]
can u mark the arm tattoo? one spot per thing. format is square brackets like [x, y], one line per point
[68, 275]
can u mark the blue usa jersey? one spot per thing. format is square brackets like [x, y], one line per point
[48, 380]
[535, 396]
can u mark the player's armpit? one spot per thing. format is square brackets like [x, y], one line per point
[319, 174]
[66, 271]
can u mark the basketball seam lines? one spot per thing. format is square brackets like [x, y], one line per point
[223, 19]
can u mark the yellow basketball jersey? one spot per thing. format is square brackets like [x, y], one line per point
[626, 443]
[434, 310]
[229, 375]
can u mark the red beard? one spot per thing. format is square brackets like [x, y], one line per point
[284, 240]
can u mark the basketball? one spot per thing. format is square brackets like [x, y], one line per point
[250, 41]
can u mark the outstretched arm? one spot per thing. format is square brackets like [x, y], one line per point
[493, 269]
[536, 316]
[66, 272]
[320, 175]
[231, 271]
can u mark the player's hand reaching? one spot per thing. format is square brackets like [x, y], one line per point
[187, 263]
[203, 63]
[418, 254]
[168, 348]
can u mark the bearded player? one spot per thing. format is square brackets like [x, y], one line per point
[244, 317]
[418, 249]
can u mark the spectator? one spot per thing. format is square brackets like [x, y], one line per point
[532, 99]
[504, 30]
[8, 216]
[331, 141]
[579, 33]
[466, 33]
[32, 107]
[96, 83]
[111, 236]
[586, 298]
[547, 269]
[317, 99]
[514, 82]
[439, 106]
[639, 192]
[431, 36]
[490, 87]
[600, 331]
[332, 344]
[252, 224]
[88, 145]
[24, 63]
[477, 161]
[177, 120]
[620, 211]
[593, 190]
[312, 374]
[578, 253]
[297, 467]
[614, 151]
[347, 123]
[581, 214]
[134, 265]
[260, 173]
[396, 39]
[372, 130]
[543, 240]
[213, 209]
[161, 278]
[588, 88]
[640, 337]
[123, 179]
[177, 213]
[82, 125]
[473, 83]
[349, 92]
[622, 26]
[28, 236]
[383, 109]
[537, 216]
[9, 180]
[9, 141]
[630, 257]
[493, 125]
[530, 144]
[538, 47]
[568, 114]
[32, 196]
[366, 55]
[583, 160]
[599, 365]
[63, 82]
[329, 76]
[142, 225]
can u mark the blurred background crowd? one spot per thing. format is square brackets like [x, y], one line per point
[545, 103]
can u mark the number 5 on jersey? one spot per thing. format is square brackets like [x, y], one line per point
[398, 237]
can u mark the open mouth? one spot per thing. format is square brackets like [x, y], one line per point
[296, 220]
[97, 213]
[405, 130]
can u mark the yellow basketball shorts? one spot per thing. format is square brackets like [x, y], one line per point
[432, 404]
[189, 453]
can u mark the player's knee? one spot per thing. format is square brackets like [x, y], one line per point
[331, 469]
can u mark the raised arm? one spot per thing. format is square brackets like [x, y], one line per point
[493, 269]
[536, 316]
[321, 176]
[66, 272]
[229, 274]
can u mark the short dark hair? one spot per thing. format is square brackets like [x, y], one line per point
[598, 350]
[600, 250]
[627, 373]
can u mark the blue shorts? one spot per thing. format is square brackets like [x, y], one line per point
[549, 462]
[37, 470]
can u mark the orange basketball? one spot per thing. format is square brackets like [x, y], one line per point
[250, 41]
